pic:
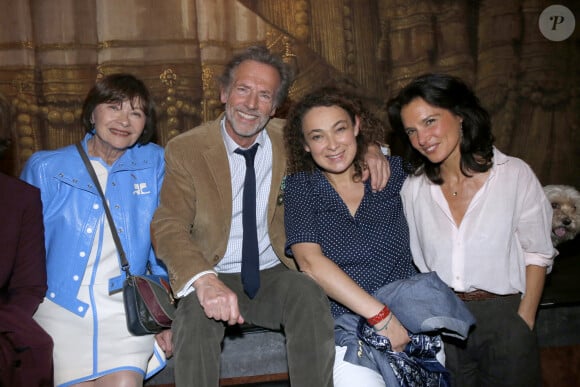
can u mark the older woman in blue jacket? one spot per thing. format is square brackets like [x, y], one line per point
[83, 309]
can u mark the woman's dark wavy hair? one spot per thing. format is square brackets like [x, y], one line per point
[371, 128]
[450, 93]
[260, 54]
[116, 88]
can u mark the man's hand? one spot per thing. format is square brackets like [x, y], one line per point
[217, 300]
[377, 168]
[164, 340]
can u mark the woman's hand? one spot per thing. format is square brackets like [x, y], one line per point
[164, 340]
[529, 319]
[535, 280]
[395, 332]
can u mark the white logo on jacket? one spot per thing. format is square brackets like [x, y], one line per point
[140, 189]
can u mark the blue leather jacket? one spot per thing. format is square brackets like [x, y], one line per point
[72, 210]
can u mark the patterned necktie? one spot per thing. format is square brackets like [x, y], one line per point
[250, 254]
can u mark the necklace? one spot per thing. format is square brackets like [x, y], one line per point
[454, 193]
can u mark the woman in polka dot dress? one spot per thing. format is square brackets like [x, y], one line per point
[350, 240]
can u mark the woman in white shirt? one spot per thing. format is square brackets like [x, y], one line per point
[479, 219]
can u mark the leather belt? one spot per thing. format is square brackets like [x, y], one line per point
[479, 295]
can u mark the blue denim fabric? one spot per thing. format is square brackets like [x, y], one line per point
[423, 304]
[416, 366]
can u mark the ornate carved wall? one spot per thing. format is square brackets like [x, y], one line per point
[52, 52]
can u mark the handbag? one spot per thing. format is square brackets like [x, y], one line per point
[149, 306]
[148, 300]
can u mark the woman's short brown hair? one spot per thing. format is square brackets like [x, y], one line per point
[118, 88]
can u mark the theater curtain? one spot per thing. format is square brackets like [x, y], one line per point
[51, 52]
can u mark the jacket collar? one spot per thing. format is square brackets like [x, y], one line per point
[216, 162]
[74, 173]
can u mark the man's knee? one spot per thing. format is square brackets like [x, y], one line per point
[196, 340]
[192, 325]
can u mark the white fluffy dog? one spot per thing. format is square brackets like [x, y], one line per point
[565, 201]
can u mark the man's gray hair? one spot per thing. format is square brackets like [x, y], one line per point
[263, 55]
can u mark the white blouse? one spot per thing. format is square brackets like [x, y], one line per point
[506, 227]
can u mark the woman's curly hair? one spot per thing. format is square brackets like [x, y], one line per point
[372, 130]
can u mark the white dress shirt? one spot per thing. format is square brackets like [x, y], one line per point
[505, 228]
[232, 260]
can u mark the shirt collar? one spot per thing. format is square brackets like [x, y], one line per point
[321, 181]
[498, 157]
[231, 145]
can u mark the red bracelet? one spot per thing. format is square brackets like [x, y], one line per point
[377, 318]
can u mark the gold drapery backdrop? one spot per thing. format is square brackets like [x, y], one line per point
[51, 52]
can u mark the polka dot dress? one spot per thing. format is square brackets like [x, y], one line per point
[372, 247]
